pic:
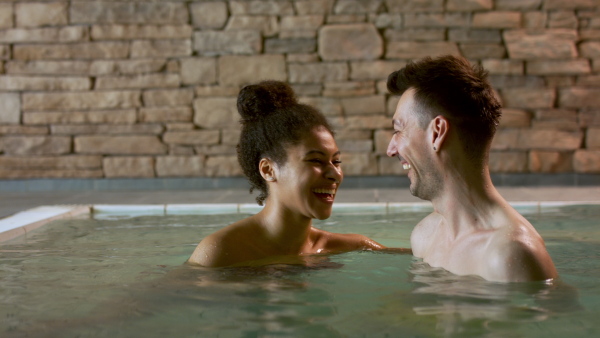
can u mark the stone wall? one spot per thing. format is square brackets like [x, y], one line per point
[92, 89]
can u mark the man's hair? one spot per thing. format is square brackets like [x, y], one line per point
[450, 86]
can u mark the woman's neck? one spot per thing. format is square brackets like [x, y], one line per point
[288, 231]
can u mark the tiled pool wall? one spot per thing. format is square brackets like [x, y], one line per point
[28, 220]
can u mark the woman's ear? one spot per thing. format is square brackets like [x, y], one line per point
[267, 169]
[439, 128]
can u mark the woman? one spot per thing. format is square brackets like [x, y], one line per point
[287, 152]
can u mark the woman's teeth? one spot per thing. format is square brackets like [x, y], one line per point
[406, 166]
[324, 191]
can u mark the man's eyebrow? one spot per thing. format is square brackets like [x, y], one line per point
[311, 152]
[397, 123]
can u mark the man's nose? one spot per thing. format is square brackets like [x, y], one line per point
[391, 149]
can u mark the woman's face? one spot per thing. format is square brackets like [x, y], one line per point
[308, 181]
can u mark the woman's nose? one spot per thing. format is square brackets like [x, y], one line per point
[335, 173]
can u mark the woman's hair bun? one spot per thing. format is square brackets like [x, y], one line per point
[259, 100]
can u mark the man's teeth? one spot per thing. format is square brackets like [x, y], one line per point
[324, 191]
[406, 166]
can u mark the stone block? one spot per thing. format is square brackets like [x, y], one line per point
[37, 14]
[10, 108]
[299, 34]
[102, 116]
[482, 50]
[345, 19]
[178, 166]
[365, 105]
[328, 106]
[337, 89]
[22, 130]
[515, 118]
[43, 83]
[469, 5]
[475, 35]
[49, 173]
[549, 139]
[137, 81]
[350, 42]
[209, 15]
[356, 164]
[367, 122]
[302, 58]
[135, 12]
[382, 139]
[417, 50]
[307, 89]
[558, 67]
[503, 66]
[508, 162]
[51, 162]
[127, 166]
[121, 67]
[535, 20]
[160, 48]
[588, 81]
[547, 44]
[48, 67]
[408, 6]
[592, 138]
[4, 52]
[517, 4]
[181, 150]
[497, 19]
[562, 19]
[87, 50]
[123, 129]
[555, 124]
[565, 115]
[192, 137]
[37, 145]
[572, 4]
[386, 20]
[586, 161]
[578, 97]
[355, 146]
[589, 118]
[258, 7]
[290, 46]
[213, 91]
[119, 145]
[166, 114]
[217, 149]
[301, 22]
[227, 42]
[235, 70]
[550, 161]
[222, 166]
[80, 100]
[390, 166]
[307, 7]
[589, 34]
[217, 112]
[528, 97]
[133, 32]
[268, 25]
[590, 49]
[168, 97]
[356, 6]
[415, 34]
[6, 15]
[345, 134]
[506, 139]
[374, 70]
[429, 20]
[514, 81]
[318, 72]
[230, 137]
[49, 34]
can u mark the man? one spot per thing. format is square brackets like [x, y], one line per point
[443, 127]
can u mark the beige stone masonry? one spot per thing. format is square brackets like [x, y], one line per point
[192, 137]
[364, 105]
[51, 162]
[82, 129]
[127, 166]
[238, 70]
[222, 166]
[38, 14]
[328, 106]
[209, 15]
[6, 15]
[550, 161]
[23, 130]
[359, 164]
[119, 145]
[416, 50]
[138, 81]
[167, 97]
[57, 34]
[273, 7]
[268, 25]
[85, 50]
[176, 166]
[227, 42]
[166, 114]
[10, 108]
[43, 83]
[93, 116]
[547, 44]
[554, 67]
[497, 20]
[218, 112]
[572, 4]
[350, 42]
[469, 5]
[528, 98]
[130, 12]
[37, 145]
[515, 118]
[50, 173]
[592, 138]
[80, 100]
[578, 97]
[508, 161]
[372, 70]
[129, 32]
[587, 161]
[338, 89]
[160, 48]
[518, 4]
[318, 72]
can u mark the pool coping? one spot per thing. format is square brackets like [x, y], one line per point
[25, 221]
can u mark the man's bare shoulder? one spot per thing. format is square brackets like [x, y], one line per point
[517, 253]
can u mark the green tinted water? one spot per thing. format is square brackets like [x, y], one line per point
[125, 278]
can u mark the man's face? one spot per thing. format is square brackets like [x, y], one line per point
[411, 146]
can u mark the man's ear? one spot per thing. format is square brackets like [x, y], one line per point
[439, 128]
[266, 168]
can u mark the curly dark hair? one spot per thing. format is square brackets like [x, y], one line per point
[272, 119]
[450, 86]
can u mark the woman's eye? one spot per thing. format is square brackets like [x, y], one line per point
[337, 162]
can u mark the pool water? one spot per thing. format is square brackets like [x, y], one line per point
[124, 277]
